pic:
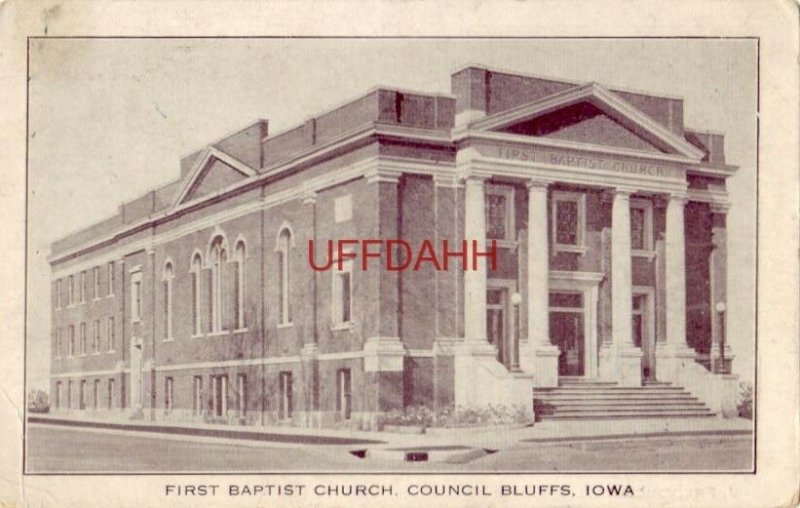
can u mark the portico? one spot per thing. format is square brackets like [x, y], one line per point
[588, 293]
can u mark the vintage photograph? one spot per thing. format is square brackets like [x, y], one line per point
[366, 255]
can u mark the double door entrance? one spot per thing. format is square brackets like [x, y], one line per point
[573, 324]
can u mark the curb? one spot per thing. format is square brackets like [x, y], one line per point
[246, 435]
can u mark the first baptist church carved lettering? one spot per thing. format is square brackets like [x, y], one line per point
[584, 161]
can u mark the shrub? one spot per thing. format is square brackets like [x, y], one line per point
[460, 416]
[38, 401]
[745, 402]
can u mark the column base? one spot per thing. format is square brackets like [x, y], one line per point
[630, 366]
[481, 381]
[540, 360]
[672, 360]
[622, 364]
[545, 361]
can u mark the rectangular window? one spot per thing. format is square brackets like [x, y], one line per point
[167, 309]
[110, 279]
[96, 394]
[136, 296]
[57, 345]
[96, 281]
[71, 290]
[241, 394]
[71, 348]
[168, 394]
[58, 294]
[196, 303]
[342, 300]
[285, 407]
[69, 395]
[111, 334]
[219, 397]
[82, 287]
[58, 395]
[112, 389]
[343, 393]
[568, 222]
[197, 396]
[641, 212]
[96, 338]
[82, 399]
[499, 209]
[83, 339]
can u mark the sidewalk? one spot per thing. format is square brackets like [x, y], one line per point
[486, 438]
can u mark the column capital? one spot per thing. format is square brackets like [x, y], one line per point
[308, 197]
[720, 208]
[623, 191]
[679, 198]
[382, 175]
[538, 184]
[473, 178]
[447, 180]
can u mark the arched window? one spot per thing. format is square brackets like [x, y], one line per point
[167, 277]
[238, 281]
[197, 267]
[284, 270]
[219, 257]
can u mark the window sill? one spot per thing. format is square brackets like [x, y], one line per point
[168, 339]
[342, 326]
[503, 244]
[110, 351]
[285, 325]
[647, 254]
[572, 249]
[136, 320]
[96, 299]
[241, 330]
[219, 333]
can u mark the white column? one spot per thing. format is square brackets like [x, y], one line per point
[475, 280]
[674, 358]
[539, 356]
[626, 358]
[621, 277]
[675, 260]
[538, 265]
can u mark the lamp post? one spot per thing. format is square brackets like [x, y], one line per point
[516, 299]
[720, 308]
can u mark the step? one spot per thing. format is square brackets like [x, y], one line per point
[631, 415]
[609, 390]
[622, 402]
[613, 409]
[614, 398]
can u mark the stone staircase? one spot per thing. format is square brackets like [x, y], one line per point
[587, 399]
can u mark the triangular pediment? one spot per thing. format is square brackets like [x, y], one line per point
[212, 171]
[593, 115]
[585, 123]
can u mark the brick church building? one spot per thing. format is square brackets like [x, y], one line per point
[198, 301]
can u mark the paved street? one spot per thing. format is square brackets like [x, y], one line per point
[63, 449]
